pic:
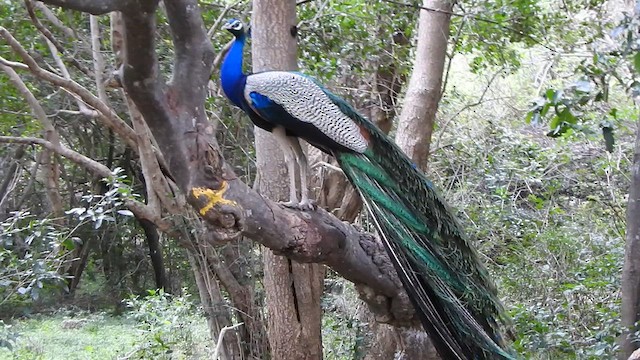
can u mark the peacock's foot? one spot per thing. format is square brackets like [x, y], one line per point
[305, 205]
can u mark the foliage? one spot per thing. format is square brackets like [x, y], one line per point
[342, 332]
[585, 103]
[31, 252]
[101, 208]
[548, 217]
[165, 322]
[8, 336]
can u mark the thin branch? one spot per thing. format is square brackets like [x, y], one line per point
[221, 337]
[27, 191]
[139, 209]
[98, 60]
[50, 38]
[13, 64]
[53, 19]
[220, 18]
[12, 178]
[448, 71]
[51, 169]
[467, 106]
[110, 118]
[65, 73]
[221, 54]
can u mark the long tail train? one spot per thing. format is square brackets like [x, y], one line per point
[451, 291]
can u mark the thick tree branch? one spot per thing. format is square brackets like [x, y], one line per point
[319, 237]
[194, 53]
[53, 19]
[95, 7]
[158, 104]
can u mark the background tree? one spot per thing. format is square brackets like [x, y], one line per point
[293, 290]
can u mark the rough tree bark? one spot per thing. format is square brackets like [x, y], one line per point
[631, 268]
[293, 290]
[423, 93]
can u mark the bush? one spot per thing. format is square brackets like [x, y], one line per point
[169, 325]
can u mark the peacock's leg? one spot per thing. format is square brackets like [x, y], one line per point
[301, 159]
[289, 158]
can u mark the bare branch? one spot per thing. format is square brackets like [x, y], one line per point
[65, 73]
[51, 169]
[98, 60]
[220, 18]
[221, 337]
[54, 20]
[12, 176]
[480, 100]
[50, 38]
[221, 54]
[13, 64]
[95, 7]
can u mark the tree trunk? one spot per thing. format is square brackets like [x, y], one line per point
[631, 268]
[423, 94]
[152, 238]
[293, 290]
[414, 138]
[213, 303]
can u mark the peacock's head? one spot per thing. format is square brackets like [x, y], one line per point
[234, 26]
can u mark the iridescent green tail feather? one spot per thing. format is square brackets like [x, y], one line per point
[441, 272]
[450, 288]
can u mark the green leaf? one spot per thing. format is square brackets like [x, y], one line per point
[583, 86]
[545, 109]
[636, 61]
[549, 94]
[68, 244]
[566, 116]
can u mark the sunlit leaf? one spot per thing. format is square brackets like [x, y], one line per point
[125, 212]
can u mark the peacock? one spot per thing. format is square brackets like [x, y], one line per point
[440, 270]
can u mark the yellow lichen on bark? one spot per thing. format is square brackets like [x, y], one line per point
[214, 197]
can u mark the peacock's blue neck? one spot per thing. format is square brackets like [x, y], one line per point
[231, 76]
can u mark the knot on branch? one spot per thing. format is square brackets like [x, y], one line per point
[375, 250]
[396, 311]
